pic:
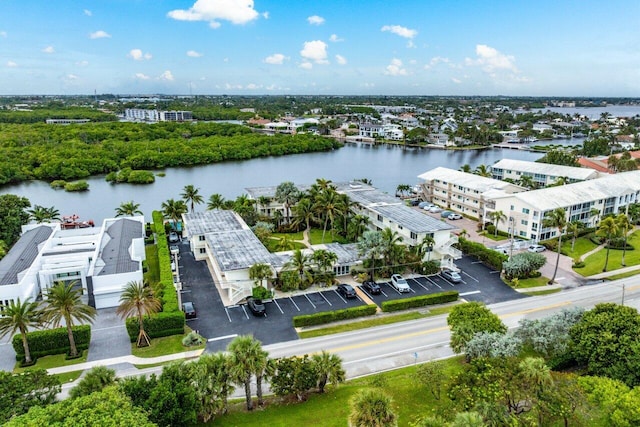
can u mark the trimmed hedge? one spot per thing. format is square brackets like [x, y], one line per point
[52, 341]
[169, 295]
[421, 301]
[493, 259]
[159, 325]
[333, 316]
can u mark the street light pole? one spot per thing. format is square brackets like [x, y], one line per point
[623, 289]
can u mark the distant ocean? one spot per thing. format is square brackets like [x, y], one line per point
[594, 113]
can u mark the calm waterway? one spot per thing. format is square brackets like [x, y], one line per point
[385, 166]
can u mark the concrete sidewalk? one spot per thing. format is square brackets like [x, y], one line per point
[134, 360]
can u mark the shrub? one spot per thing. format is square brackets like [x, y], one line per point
[430, 267]
[420, 301]
[58, 183]
[579, 264]
[52, 341]
[76, 186]
[523, 265]
[192, 339]
[159, 325]
[260, 292]
[333, 316]
[493, 259]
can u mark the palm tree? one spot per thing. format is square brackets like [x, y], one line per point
[246, 358]
[556, 218]
[402, 189]
[20, 316]
[173, 210]
[328, 367]
[213, 382]
[372, 246]
[264, 201]
[216, 201]
[609, 229]
[574, 228]
[358, 225]
[594, 213]
[40, 214]
[390, 241]
[372, 408]
[299, 262]
[344, 210]
[264, 370]
[625, 225]
[303, 213]
[427, 245]
[63, 302]
[287, 193]
[526, 181]
[138, 300]
[128, 209]
[497, 217]
[483, 170]
[466, 168]
[260, 272]
[285, 243]
[328, 206]
[190, 194]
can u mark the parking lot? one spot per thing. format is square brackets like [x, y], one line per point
[220, 324]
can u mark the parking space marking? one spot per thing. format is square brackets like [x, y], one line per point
[186, 292]
[476, 262]
[294, 303]
[278, 305]
[245, 312]
[325, 298]
[432, 281]
[222, 338]
[309, 299]
[227, 311]
[494, 272]
[339, 296]
[382, 292]
[469, 293]
[470, 276]
[421, 285]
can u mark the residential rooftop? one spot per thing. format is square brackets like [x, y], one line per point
[22, 254]
[215, 220]
[547, 169]
[239, 249]
[115, 255]
[468, 180]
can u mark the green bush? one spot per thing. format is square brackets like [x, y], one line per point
[430, 267]
[58, 183]
[76, 186]
[420, 301]
[169, 295]
[260, 292]
[159, 325]
[579, 264]
[334, 316]
[493, 259]
[52, 341]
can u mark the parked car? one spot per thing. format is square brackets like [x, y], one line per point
[414, 202]
[372, 287]
[452, 276]
[445, 214]
[434, 209]
[189, 310]
[454, 216]
[421, 205]
[536, 248]
[174, 249]
[346, 291]
[400, 283]
[173, 237]
[256, 306]
[173, 266]
[428, 206]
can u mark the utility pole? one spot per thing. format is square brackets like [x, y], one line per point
[623, 289]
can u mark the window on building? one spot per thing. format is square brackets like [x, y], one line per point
[524, 222]
[380, 218]
[201, 238]
[203, 250]
[522, 233]
[525, 211]
[414, 235]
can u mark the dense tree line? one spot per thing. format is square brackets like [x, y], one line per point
[49, 152]
[39, 115]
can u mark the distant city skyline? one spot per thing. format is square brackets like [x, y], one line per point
[245, 47]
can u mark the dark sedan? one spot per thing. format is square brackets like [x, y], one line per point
[346, 291]
[189, 310]
[372, 287]
[256, 306]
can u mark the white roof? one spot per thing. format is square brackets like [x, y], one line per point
[469, 180]
[570, 172]
[582, 192]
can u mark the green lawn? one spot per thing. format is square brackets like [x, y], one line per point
[273, 245]
[291, 236]
[624, 275]
[153, 264]
[595, 262]
[582, 246]
[497, 238]
[315, 237]
[383, 320]
[410, 399]
[539, 293]
[533, 282]
[53, 361]
[163, 346]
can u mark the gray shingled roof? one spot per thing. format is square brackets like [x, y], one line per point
[411, 219]
[115, 253]
[22, 254]
[347, 254]
[237, 250]
[211, 221]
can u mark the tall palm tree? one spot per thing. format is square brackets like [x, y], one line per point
[299, 262]
[41, 214]
[358, 225]
[344, 210]
[328, 367]
[372, 246]
[608, 229]
[63, 302]
[173, 210]
[20, 316]
[129, 208]
[372, 408]
[625, 225]
[328, 207]
[427, 245]
[483, 170]
[402, 189]
[594, 213]
[259, 273]
[246, 357]
[287, 193]
[497, 217]
[264, 370]
[573, 228]
[191, 194]
[466, 168]
[390, 241]
[263, 201]
[556, 218]
[303, 213]
[213, 382]
[216, 201]
[138, 300]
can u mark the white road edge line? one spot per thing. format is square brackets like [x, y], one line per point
[222, 338]
[469, 293]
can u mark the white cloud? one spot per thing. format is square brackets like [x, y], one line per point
[11, 64]
[194, 54]
[275, 59]
[437, 60]
[48, 49]
[456, 81]
[265, 15]
[138, 55]
[225, 60]
[315, 20]
[141, 76]
[3, 34]
[99, 35]
[253, 86]
[315, 51]
[490, 60]
[71, 77]
[306, 65]
[212, 11]
[341, 59]
[395, 68]
[334, 38]
[82, 63]
[87, 12]
[400, 31]
[167, 76]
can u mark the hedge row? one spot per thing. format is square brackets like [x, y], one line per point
[169, 296]
[52, 341]
[493, 259]
[162, 324]
[333, 316]
[421, 301]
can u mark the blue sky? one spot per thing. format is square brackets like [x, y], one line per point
[244, 47]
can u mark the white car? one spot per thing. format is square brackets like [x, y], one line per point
[428, 206]
[454, 216]
[536, 248]
[451, 276]
[434, 209]
[400, 283]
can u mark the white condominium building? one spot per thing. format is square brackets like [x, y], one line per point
[542, 174]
